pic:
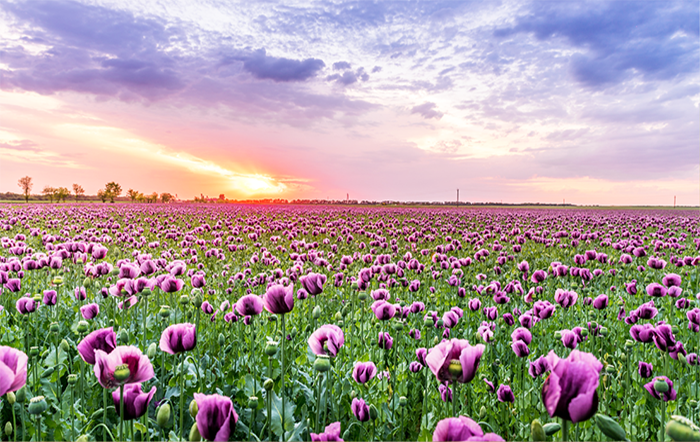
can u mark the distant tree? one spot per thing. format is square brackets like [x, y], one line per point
[102, 194]
[113, 190]
[222, 197]
[132, 194]
[25, 183]
[166, 197]
[153, 198]
[61, 193]
[78, 191]
[140, 197]
[50, 192]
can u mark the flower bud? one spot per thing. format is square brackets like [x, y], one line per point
[163, 415]
[34, 352]
[403, 401]
[362, 296]
[271, 348]
[594, 324]
[660, 386]
[610, 369]
[37, 405]
[340, 323]
[551, 428]
[82, 438]
[87, 282]
[693, 403]
[11, 398]
[338, 316]
[151, 351]
[322, 364]
[54, 327]
[353, 394]
[557, 334]
[122, 373]
[253, 402]
[537, 431]
[674, 329]
[439, 323]
[294, 332]
[123, 336]
[603, 331]
[184, 300]
[22, 394]
[83, 327]
[681, 428]
[8, 429]
[197, 301]
[435, 340]
[682, 358]
[482, 412]
[398, 326]
[64, 346]
[164, 311]
[194, 409]
[146, 292]
[623, 357]
[373, 413]
[629, 344]
[584, 332]
[58, 280]
[72, 379]
[268, 384]
[610, 427]
[316, 313]
[194, 434]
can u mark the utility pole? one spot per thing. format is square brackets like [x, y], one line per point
[458, 197]
[347, 197]
[674, 201]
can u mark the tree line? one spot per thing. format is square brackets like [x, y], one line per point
[110, 192]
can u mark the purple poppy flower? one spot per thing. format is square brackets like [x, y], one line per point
[692, 358]
[128, 302]
[505, 394]
[508, 319]
[385, 341]
[538, 276]
[25, 305]
[140, 367]
[89, 311]
[570, 390]
[170, 284]
[677, 348]
[642, 332]
[313, 283]
[14, 285]
[279, 299]
[415, 334]
[569, 339]
[103, 339]
[383, 310]
[445, 393]
[543, 309]
[249, 305]
[417, 307]
[656, 289]
[380, 295]
[456, 429]
[216, 417]
[421, 354]
[565, 298]
[527, 320]
[600, 302]
[198, 281]
[682, 303]
[327, 340]
[450, 319]
[674, 291]
[360, 409]
[521, 334]
[631, 287]
[671, 280]
[129, 271]
[178, 338]
[645, 369]
[647, 310]
[491, 313]
[694, 318]
[415, 367]
[50, 297]
[489, 385]
[520, 348]
[135, 401]
[539, 366]
[230, 317]
[474, 304]
[663, 337]
[332, 433]
[455, 352]
[13, 369]
[364, 372]
[670, 395]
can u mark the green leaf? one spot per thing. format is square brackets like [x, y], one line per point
[295, 434]
[425, 435]
[277, 414]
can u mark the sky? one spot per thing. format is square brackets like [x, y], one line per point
[517, 101]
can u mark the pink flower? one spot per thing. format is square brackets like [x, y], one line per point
[139, 366]
[13, 369]
[90, 311]
[327, 340]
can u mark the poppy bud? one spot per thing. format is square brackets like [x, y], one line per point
[674, 329]
[184, 300]
[72, 379]
[8, 429]
[11, 398]
[34, 352]
[163, 415]
[623, 357]
[584, 332]
[271, 348]
[362, 296]
[682, 358]
[146, 292]
[373, 413]
[610, 369]
[439, 323]
[403, 401]
[123, 336]
[316, 313]
[151, 351]
[197, 300]
[87, 282]
[268, 384]
[294, 332]
[53, 328]
[338, 316]
[194, 434]
[114, 272]
[340, 323]
[551, 428]
[594, 324]
[21, 395]
[83, 327]
[482, 412]
[37, 405]
[693, 403]
[253, 402]
[164, 311]
[398, 326]
[222, 339]
[610, 427]
[64, 346]
[681, 428]
[353, 394]
[82, 438]
[435, 340]
[629, 344]
[660, 386]
[603, 331]
[322, 364]
[537, 431]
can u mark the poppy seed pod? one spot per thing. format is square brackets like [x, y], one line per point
[660, 386]
[403, 401]
[21, 395]
[164, 311]
[271, 348]
[54, 327]
[184, 300]
[72, 379]
[322, 364]
[194, 434]
[83, 326]
[34, 351]
[268, 384]
[37, 405]
[362, 296]
[253, 402]
[11, 398]
[163, 415]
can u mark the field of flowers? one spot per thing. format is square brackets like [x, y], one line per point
[311, 323]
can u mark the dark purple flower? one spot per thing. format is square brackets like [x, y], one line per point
[415, 367]
[14, 285]
[456, 429]
[170, 284]
[103, 339]
[565, 298]
[682, 303]
[421, 354]
[385, 341]
[178, 338]
[474, 304]
[656, 289]
[539, 366]
[645, 369]
[508, 319]
[569, 339]
[600, 302]
[313, 283]
[520, 348]
[414, 333]
[505, 394]
[279, 299]
[521, 334]
[249, 305]
[670, 395]
[538, 276]
[647, 310]
[332, 433]
[90, 311]
[445, 393]
[50, 297]
[216, 417]
[527, 320]
[13, 369]
[491, 313]
[694, 318]
[642, 333]
[135, 401]
[364, 372]
[671, 280]
[570, 390]
[489, 385]
[380, 295]
[198, 281]
[456, 352]
[383, 310]
[25, 305]
[106, 365]
[327, 340]
[360, 409]
[663, 337]
[677, 348]
[692, 358]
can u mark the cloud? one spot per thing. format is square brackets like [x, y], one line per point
[20, 145]
[427, 110]
[341, 65]
[349, 77]
[262, 66]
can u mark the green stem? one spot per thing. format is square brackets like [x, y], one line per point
[454, 398]
[182, 395]
[564, 430]
[318, 403]
[121, 412]
[145, 315]
[284, 339]
[104, 414]
[14, 423]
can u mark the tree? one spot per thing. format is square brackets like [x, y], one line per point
[61, 193]
[153, 198]
[112, 190]
[78, 191]
[101, 194]
[49, 191]
[166, 197]
[132, 194]
[25, 183]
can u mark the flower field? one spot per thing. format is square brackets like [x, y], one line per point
[222, 322]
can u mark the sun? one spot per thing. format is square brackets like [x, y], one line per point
[258, 184]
